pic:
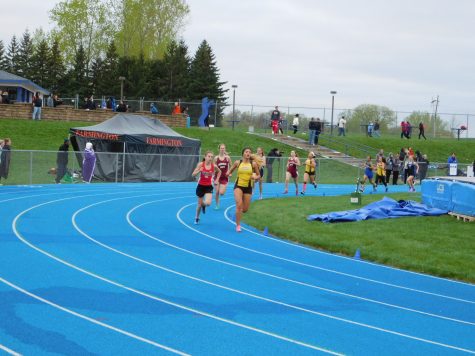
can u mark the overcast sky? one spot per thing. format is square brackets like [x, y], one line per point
[399, 54]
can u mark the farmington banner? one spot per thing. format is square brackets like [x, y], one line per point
[99, 135]
[164, 142]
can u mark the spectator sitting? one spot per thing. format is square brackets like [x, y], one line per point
[176, 109]
[153, 109]
[122, 107]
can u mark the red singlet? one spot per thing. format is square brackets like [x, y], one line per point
[206, 175]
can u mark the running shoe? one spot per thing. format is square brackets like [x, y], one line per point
[303, 193]
[238, 228]
[297, 193]
[260, 197]
[203, 209]
[386, 189]
[285, 192]
[315, 185]
[216, 207]
[197, 221]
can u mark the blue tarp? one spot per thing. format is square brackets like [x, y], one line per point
[386, 208]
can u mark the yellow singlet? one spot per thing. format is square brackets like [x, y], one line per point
[308, 167]
[244, 175]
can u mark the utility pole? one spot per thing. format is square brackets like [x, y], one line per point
[436, 101]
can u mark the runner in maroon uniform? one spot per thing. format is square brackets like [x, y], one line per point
[204, 191]
[223, 162]
[292, 172]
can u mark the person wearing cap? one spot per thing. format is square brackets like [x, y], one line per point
[62, 161]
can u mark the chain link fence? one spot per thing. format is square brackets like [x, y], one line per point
[39, 167]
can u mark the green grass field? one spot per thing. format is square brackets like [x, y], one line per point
[441, 246]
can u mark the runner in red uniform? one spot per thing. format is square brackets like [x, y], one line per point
[223, 162]
[292, 164]
[204, 191]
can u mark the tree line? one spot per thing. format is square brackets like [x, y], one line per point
[93, 43]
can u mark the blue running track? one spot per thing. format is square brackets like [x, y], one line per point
[120, 269]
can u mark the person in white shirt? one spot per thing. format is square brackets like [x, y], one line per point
[341, 126]
[295, 123]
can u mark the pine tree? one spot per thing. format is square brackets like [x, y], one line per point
[3, 57]
[97, 73]
[204, 77]
[39, 63]
[56, 69]
[25, 54]
[110, 84]
[176, 69]
[77, 78]
[13, 57]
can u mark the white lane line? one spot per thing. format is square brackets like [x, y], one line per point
[129, 220]
[250, 294]
[84, 317]
[315, 267]
[8, 351]
[150, 296]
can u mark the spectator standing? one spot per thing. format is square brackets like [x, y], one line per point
[88, 163]
[370, 129]
[57, 101]
[275, 118]
[4, 99]
[342, 126]
[421, 131]
[122, 107]
[423, 166]
[271, 156]
[389, 166]
[176, 109]
[37, 103]
[5, 158]
[396, 169]
[50, 102]
[403, 129]
[311, 132]
[153, 109]
[295, 123]
[318, 131]
[376, 129]
[62, 161]
[408, 129]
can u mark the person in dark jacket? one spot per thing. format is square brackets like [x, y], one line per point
[62, 161]
[5, 159]
[271, 156]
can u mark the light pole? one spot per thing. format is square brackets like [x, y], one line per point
[234, 86]
[436, 101]
[333, 93]
[121, 87]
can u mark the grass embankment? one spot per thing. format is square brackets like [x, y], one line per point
[441, 246]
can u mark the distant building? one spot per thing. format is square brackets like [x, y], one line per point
[20, 90]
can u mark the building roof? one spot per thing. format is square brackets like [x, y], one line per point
[12, 80]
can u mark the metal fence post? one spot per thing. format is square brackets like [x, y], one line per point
[31, 167]
[117, 167]
[161, 159]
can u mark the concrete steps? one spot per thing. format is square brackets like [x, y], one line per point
[320, 151]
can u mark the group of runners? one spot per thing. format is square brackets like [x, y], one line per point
[215, 172]
[411, 168]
